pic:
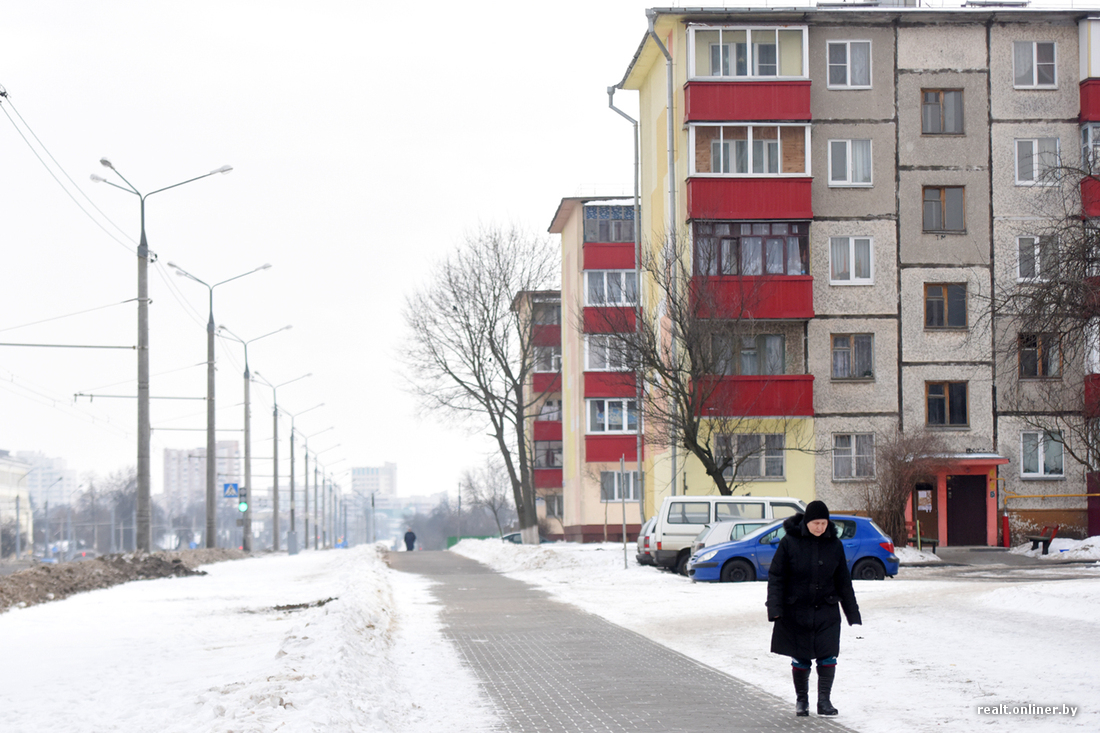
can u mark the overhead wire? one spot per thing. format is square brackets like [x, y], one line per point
[67, 315]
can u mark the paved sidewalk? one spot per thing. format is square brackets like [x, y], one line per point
[551, 667]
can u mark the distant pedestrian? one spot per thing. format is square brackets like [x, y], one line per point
[410, 540]
[807, 580]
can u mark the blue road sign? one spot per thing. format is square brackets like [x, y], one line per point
[230, 491]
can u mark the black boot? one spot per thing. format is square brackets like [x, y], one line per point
[801, 691]
[825, 676]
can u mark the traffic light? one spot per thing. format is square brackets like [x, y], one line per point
[242, 500]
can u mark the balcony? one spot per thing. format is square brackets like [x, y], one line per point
[544, 382]
[610, 448]
[771, 395]
[610, 384]
[1092, 395]
[548, 478]
[1090, 100]
[727, 101]
[546, 334]
[608, 256]
[546, 430]
[1090, 196]
[609, 319]
[750, 198]
[763, 297]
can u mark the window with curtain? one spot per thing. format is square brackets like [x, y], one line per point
[746, 52]
[1036, 258]
[853, 455]
[944, 209]
[853, 356]
[1034, 65]
[749, 355]
[752, 456]
[749, 150]
[850, 261]
[1041, 454]
[1036, 161]
[849, 162]
[849, 64]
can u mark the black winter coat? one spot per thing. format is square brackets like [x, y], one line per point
[807, 580]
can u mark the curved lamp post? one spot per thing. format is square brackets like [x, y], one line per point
[211, 441]
[275, 456]
[292, 533]
[246, 540]
[144, 536]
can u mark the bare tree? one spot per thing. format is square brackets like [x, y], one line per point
[489, 489]
[470, 348]
[901, 461]
[1047, 317]
[685, 344]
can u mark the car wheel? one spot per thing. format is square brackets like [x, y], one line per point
[682, 564]
[867, 569]
[738, 571]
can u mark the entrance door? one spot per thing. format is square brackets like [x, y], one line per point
[966, 510]
[924, 511]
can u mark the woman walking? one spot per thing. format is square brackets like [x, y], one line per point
[807, 580]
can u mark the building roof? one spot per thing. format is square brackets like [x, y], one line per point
[569, 203]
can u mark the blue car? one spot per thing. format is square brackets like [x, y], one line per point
[870, 553]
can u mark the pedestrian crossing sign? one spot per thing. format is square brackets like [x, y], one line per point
[229, 491]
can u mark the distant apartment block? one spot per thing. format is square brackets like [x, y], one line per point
[380, 480]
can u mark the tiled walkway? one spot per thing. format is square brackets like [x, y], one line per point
[551, 667]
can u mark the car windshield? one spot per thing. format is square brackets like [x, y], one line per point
[762, 530]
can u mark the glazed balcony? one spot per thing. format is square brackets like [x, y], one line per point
[750, 198]
[727, 101]
[762, 297]
[768, 395]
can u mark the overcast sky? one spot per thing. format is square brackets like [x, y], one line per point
[365, 137]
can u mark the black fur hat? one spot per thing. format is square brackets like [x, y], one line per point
[816, 510]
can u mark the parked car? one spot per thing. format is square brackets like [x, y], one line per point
[869, 551]
[645, 552]
[517, 538]
[681, 518]
[720, 532]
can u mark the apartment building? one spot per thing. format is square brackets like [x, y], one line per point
[380, 480]
[185, 473]
[873, 177]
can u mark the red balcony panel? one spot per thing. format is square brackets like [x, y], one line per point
[610, 384]
[1090, 100]
[770, 296]
[609, 448]
[546, 334]
[1090, 196]
[605, 319]
[1092, 395]
[749, 198]
[543, 382]
[548, 478]
[724, 101]
[773, 395]
[609, 256]
[547, 430]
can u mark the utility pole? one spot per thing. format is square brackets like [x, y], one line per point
[18, 529]
[305, 492]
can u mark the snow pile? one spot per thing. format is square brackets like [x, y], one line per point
[1063, 549]
[935, 650]
[913, 556]
[507, 557]
[317, 641]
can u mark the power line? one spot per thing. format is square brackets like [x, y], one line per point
[67, 315]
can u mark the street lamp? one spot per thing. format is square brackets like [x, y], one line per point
[275, 458]
[144, 538]
[211, 442]
[246, 540]
[292, 533]
[318, 499]
[305, 452]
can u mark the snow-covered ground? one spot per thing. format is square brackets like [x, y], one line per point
[929, 654]
[212, 653]
[1063, 549]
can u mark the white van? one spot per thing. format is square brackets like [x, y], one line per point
[682, 517]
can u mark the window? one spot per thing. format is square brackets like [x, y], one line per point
[548, 454]
[751, 248]
[853, 455]
[749, 355]
[555, 505]
[946, 404]
[1033, 65]
[686, 512]
[1036, 261]
[546, 314]
[944, 209]
[733, 511]
[945, 305]
[1040, 356]
[941, 112]
[747, 52]
[850, 261]
[550, 410]
[751, 456]
[849, 64]
[1036, 160]
[612, 416]
[853, 356]
[547, 358]
[1041, 454]
[610, 287]
[1090, 146]
[749, 150]
[611, 486]
[609, 223]
[849, 162]
[605, 353]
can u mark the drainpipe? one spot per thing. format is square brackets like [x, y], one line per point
[637, 292]
[651, 15]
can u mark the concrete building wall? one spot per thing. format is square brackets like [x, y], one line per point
[970, 149]
[881, 297]
[848, 396]
[926, 46]
[978, 435]
[872, 201]
[1009, 103]
[846, 494]
[946, 345]
[876, 103]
